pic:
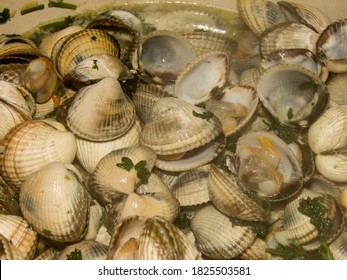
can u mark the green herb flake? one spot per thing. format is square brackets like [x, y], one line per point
[290, 114]
[67, 177]
[205, 115]
[62, 5]
[257, 227]
[95, 64]
[286, 133]
[5, 15]
[126, 164]
[75, 255]
[47, 232]
[142, 171]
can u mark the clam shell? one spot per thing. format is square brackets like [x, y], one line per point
[17, 45]
[110, 181]
[191, 187]
[49, 254]
[88, 249]
[95, 220]
[90, 153]
[292, 94]
[331, 47]
[20, 234]
[288, 35]
[307, 14]
[339, 247]
[138, 238]
[111, 115]
[250, 77]
[228, 197]
[257, 251]
[31, 145]
[197, 81]
[337, 90]
[55, 203]
[260, 15]
[230, 241]
[11, 72]
[74, 48]
[333, 167]
[8, 251]
[8, 200]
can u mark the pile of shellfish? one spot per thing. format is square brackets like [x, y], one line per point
[183, 164]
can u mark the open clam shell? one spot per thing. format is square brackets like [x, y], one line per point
[230, 241]
[110, 180]
[17, 45]
[111, 115]
[138, 238]
[201, 77]
[55, 203]
[20, 234]
[292, 94]
[267, 166]
[31, 145]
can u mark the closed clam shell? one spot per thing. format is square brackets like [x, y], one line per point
[110, 181]
[260, 15]
[8, 251]
[75, 47]
[101, 112]
[337, 90]
[230, 241]
[205, 74]
[89, 153]
[227, 196]
[307, 14]
[20, 234]
[31, 145]
[55, 203]
[332, 166]
[86, 249]
[49, 254]
[339, 247]
[250, 77]
[17, 45]
[138, 238]
[257, 251]
[292, 94]
[191, 187]
[288, 35]
[331, 47]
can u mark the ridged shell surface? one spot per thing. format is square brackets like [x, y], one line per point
[88, 250]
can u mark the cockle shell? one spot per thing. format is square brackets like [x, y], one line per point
[20, 234]
[138, 238]
[88, 249]
[8, 251]
[55, 203]
[337, 90]
[339, 247]
[31, 145]
[101, 112]
[110, 181]
[17, 45]
[231, 239]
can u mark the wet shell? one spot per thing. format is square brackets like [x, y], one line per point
[331, 47]
[88, 250]
[19, 233]
[230, 241]
[191, 187]
[163, 54]
[8, 251]
[31, 145]
[55, 203]
[90, 153]
[228, 197]
[10, 72]
[49, 254]
[17, 45]
[110, 181]
[292, 94]
[260, 15]
[234, 108]
[288, 35]
[111, 115]
[8, 202]
[337, 90]
[333, 167]
[200, 78]
[137, 238]
[250, 77]
[74, 48]
[339, 247]
[306, 14]
[257, 251]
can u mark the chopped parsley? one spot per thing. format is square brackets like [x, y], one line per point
[290, 114]
[258, 227]
[67, 177]
[286, 133]
[95, 64]
[142, 171]
[47, 232]
[205, 115]
[5, 15]
[75, 255]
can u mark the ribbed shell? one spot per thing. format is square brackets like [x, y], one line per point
[89, 250]
[101, 112]
[150, 239]
[17, 230]
[17, 45]
[75, 47]
[337, 90]
[89, 153]
[109, 181]
[217, 237]
[31, 145]
[227, 197]
[55, 203]
[8, 251]
[339, 247]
